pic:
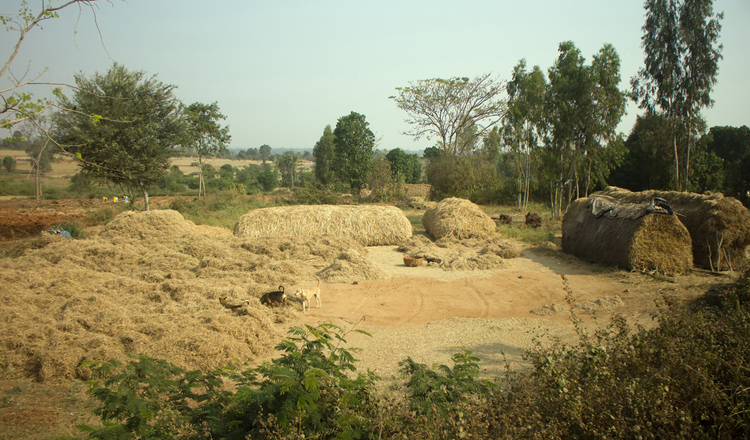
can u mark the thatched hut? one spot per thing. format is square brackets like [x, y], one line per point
[602, 229]
[458, 218]
[719, 226]
[370, 225]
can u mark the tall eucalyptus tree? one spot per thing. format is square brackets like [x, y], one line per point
[680, 41]
[524, 124]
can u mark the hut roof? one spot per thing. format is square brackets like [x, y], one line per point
[719, 226]
[631, 236]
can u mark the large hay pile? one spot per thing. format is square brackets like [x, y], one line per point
[458, 218]
[370, 225]
[719, 226]
[149, 283]
[604, 230]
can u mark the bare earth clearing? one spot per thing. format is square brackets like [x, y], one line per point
[421, 312]
[426, 312]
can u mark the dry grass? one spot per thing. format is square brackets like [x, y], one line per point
[602, 230]
[370, 225]
[150, 282]
[471, 254]
[458, 218]
[719, 226]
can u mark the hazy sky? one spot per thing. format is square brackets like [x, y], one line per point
[282, 70]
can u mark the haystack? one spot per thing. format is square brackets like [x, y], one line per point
[719, 226]
[458, 218]
[148, 224]
[603, 230]
[370, 225]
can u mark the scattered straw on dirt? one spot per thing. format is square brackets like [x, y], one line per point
[603, 230]
[458, 218]
[451, 254]
[150, 282]
[370, 225]
[352, 266]
[719, 226]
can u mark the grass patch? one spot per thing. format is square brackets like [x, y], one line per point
[217, 209]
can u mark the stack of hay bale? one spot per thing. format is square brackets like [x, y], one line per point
[370, 225]
[719, 226]
[630, 235]
[458, 218]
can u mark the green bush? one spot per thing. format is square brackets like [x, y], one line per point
[73, 228]
[102, 216]
[686, 378]
[309, 389]
[314, 195]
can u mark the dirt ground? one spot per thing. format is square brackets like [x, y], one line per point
[424, 313]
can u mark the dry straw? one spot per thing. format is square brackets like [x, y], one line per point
[458, 218]
[149, 283]
[370, 225]
[719, 226]
[604, 230]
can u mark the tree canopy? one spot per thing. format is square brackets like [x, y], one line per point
[323, 152]
[680, 41]
[524, 124]
[135, 124]
[457, 111]
[584, 107]
[404, 164]
[205, 135]
[353, 142]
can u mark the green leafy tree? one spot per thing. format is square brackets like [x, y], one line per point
[136, 125]
[287, 164]
[646, 163]
[491, 144]
[226, 172]
[205, 135]
[353, 143]
[680, 41]
[469, 177]
[404, 164]
[456, 111]
[584, 108]
[265, 152]
[385, 185]
[732, 144]
[324, 152]
[268, 178]
[9, 164]
[524, 124]
[82, 184]
[431, 153]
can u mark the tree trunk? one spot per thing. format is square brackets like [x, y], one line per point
[201, 184]
[144, 191]
[689, 134]
[676, 161]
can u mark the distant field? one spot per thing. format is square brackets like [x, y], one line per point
[62, 171]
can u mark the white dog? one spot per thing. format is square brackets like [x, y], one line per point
[306, 296]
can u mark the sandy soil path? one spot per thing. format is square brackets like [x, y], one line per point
[425, 312]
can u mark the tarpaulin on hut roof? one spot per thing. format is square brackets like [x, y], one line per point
[719, 226]
[632, 236]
